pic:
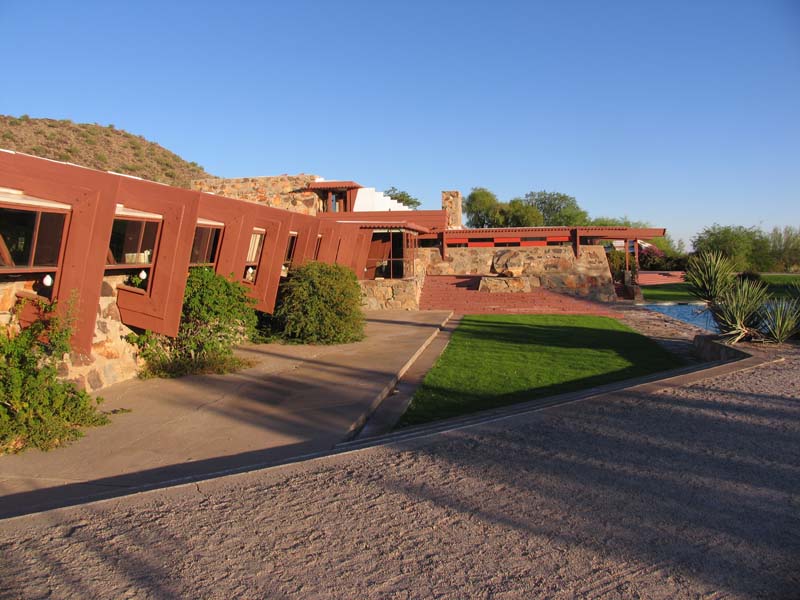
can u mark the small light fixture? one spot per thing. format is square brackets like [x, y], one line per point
[47, 280]
[250, 271]
[142, 274]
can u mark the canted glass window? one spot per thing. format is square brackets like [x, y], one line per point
[253, 255]
[289, 257]
[317, 247]
[133, 243]
[30, 239]
[205, 246]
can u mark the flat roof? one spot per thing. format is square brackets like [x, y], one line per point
[333, 185]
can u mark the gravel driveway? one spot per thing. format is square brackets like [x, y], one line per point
[688, 493]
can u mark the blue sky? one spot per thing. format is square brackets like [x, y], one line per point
[678, 113]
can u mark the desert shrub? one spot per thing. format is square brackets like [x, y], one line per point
[217, 314]
[320, 304]
[709, 274]
[749, 275]
[738, 310]
[616, 263]
[36, 408]
[781, 319]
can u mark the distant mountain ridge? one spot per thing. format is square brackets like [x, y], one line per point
[97, 147]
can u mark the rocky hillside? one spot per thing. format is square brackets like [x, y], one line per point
[98, 147]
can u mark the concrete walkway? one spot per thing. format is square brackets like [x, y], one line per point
[295, 401]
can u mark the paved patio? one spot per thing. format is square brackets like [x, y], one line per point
[295, 401]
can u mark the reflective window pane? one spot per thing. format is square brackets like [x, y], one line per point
[132, 242]
[254, 251]
[16, 237]
[48, 242]
[204, 247]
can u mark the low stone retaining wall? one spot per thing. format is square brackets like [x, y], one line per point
[385, 294]
[112, 359]
[553, 267]
[506, 285]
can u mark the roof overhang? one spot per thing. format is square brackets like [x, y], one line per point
[333, 185]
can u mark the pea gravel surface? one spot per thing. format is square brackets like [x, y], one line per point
[690, 492]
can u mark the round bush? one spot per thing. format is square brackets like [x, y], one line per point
[320, 304]
[217, 315]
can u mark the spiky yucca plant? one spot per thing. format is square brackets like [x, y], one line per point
[738, 312]
[709, 275]
[781, 319]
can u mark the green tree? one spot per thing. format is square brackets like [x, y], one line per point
[518, 213]
[558, 209]
[403, 198]
[482, 208]
[784, 245]
[746, 247]
[617, 222]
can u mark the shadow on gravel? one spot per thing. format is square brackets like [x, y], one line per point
[697, 487]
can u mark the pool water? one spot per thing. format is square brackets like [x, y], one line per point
[694, 314]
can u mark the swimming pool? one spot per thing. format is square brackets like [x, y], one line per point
[694, 314]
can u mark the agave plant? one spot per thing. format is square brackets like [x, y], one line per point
[709, 275]
[738, 310]
[781, 319]
[794, 290]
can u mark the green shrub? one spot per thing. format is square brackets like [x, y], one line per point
[36, 408]
[217, 314]
[738, 311]
[709, 274]
[616, 264]
[320, 304]
[750, 275]
[781, 319]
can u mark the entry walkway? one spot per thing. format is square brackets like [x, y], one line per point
[295, 401]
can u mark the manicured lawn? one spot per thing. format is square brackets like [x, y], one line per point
[495, 360]
[679, 292]
[668, 292]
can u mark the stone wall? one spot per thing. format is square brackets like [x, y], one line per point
[508, 285]
[385, 294]
[451, 203]
[112, 358]
[8, 297]
[282, 191]
[552, 267]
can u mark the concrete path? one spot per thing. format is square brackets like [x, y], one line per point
[296, 401]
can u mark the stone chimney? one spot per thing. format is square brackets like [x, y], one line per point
[451, 203]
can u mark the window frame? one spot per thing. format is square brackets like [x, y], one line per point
[256, 265]
[156, 243]
[291, 250]
[38, 210]
[215, 258]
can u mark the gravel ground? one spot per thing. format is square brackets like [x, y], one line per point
[692, 492]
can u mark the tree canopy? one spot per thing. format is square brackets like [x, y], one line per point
[403, 198]
[483, 209]
[558, 210]
[746, 247]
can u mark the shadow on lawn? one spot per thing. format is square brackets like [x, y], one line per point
[436, 401]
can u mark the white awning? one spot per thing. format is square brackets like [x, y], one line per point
[123, 211]
[18, 197]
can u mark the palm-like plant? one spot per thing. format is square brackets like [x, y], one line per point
[781, 318]
[709, 275]
[738, 311]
